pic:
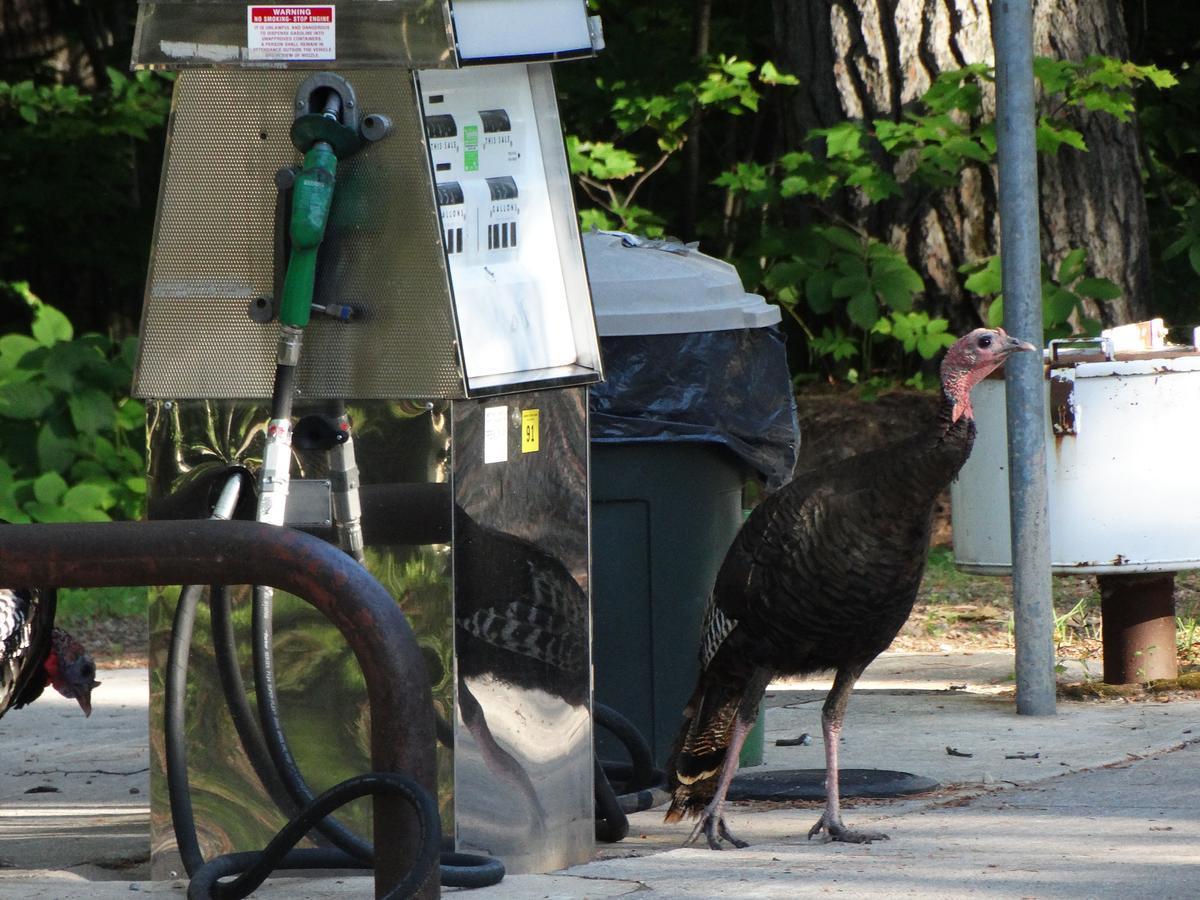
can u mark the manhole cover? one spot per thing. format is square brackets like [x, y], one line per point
[809, 784]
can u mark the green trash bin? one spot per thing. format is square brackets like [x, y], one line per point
[697, 399]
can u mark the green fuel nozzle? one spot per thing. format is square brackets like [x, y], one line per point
[312, 197]
[326, 128]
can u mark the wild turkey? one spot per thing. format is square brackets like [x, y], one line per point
[33, 653]
[821, 577]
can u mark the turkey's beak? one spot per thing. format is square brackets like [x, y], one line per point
[1013, 345]
[85, 700]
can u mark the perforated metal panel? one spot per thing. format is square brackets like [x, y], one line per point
[214, 250]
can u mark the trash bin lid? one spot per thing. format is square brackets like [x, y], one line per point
[642, 286]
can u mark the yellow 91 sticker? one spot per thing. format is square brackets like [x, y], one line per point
[529, 431]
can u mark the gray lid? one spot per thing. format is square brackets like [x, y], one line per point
[641, 286]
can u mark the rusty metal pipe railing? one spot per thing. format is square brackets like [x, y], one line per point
[108, 554]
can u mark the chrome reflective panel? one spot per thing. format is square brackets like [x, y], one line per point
[523, 735]
[322, 695]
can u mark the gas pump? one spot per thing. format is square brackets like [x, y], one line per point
[397, 168]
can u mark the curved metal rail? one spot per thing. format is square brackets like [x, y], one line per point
[107, 554]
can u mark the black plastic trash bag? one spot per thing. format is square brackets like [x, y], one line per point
[724, 387]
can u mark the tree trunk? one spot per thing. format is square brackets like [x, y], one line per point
[1096, 199]
[865, 59]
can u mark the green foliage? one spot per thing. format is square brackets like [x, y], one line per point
[866, 284]
[78, 227]
[917, 332]
[76, 607]
[1062, 293]
[808, 244]
[612, 176]
[1171, 136]
[71, 442]
[1188, 241]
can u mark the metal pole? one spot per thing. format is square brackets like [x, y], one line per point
[1012, 34]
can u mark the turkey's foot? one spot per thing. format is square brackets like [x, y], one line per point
[715, 830]
[834, 830]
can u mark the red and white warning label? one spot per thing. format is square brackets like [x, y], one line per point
[290, 32]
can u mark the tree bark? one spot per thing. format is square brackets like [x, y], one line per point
[866, 59]
[1096, 199]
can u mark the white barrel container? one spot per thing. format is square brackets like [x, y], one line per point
[1122, 464]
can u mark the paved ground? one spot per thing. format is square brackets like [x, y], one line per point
[1102, 800]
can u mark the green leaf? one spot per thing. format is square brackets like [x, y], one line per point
[897, 285]
[842, 238]
[50, 326]
[10, 512]
[1097, 288]
[1160, 78]
[25, 400]
[875, 183]
[928, 345]
[771, 75]
[985, 279]
[40, 511]
[843, 139]
[92, 411]
[131, 415]
[1072, 265]
[849, 285]
[49, 488]
[1057, 305]
[995, 313]
[863, 309]
[55, 452]
[13, 348]
[965, 146]
[68, 359]
[818, 291]
[1050, 136]
[82, 498]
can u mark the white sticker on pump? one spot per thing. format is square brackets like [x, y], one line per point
[495, 434]
[290, 32]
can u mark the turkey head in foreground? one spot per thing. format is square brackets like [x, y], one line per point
[821, 577]
[33, 653]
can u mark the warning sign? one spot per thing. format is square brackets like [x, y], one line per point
[290, 32]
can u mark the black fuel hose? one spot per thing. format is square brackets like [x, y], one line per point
[642, 786]
[272, 728]
[245, 722]
[252, 867]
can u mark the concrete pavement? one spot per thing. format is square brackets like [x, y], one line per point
[1102, 800]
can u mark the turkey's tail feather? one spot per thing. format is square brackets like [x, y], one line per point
[701, 746]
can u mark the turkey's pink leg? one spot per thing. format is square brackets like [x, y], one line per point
[832, 715]
[712, 822]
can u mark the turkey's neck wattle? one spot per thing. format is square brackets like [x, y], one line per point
[956, 393]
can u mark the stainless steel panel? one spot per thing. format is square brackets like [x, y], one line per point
[321, 690]
[406, 33]
[523, 737]
[213, 250]
[521, 293]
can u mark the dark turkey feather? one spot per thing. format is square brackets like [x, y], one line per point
[26, 623]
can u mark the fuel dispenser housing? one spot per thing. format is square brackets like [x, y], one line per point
[461, 340]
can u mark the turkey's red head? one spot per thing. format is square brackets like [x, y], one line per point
[71, 671]
[970, 360]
